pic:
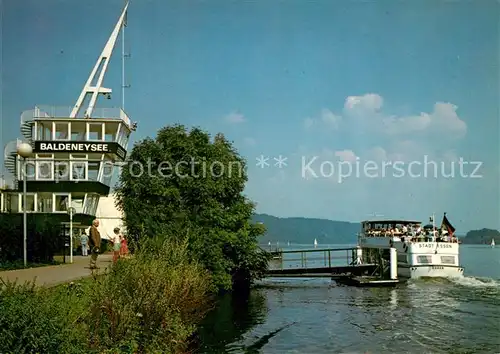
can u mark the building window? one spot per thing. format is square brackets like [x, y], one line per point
[45, 203]
[447, 259]
[30, 202]
[13, 202]
[30, 170]
[123, 135]
[107, 173]
[78, 131]
[78, 170]
[424, 259]
[44, 170]
[61, 171]
[61, 131]
[94, 171]
[91, 204]
[110, 131]
[77, 203]
[61, 202]
[95, 131]
[44, 131]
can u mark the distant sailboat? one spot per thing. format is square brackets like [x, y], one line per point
[315, 243]
[492, 242]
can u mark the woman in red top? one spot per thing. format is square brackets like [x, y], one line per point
[124, 248]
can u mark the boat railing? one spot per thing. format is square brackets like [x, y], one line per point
[416, 238]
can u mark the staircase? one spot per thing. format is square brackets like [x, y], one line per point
[10, 151]
[10, 159]
[27, 124]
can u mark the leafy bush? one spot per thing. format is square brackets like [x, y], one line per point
[38, 320]
[44, 238]
[202, 196]
[149, 303]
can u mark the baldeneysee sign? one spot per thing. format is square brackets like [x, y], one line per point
[80, 147]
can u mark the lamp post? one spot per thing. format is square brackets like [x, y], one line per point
[25, 150]
[71, 211]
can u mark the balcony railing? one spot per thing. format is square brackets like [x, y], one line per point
[41, 112]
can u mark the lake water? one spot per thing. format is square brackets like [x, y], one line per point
[318, 316]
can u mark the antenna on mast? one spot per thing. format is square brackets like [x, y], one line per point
[98, 72]
[124, 55]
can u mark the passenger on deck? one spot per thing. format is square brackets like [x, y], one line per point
[445, 236]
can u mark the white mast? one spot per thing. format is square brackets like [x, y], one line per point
[102, 64]
[124, 86]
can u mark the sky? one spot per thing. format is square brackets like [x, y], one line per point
[323, 84]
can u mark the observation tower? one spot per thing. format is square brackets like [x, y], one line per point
[74, 150]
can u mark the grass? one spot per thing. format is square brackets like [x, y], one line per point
[151, 303]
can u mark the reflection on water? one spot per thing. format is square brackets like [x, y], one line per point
[232, 317]
[317, 316]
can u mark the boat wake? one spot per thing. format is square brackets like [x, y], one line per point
[476, 282]
[466, 281]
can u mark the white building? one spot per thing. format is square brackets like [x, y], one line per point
[109, 216]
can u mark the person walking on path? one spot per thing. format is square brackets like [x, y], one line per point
[95, 243]
[84, 240]
[116, 244]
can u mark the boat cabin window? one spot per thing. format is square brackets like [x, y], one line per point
[424, 259]
[448, 259]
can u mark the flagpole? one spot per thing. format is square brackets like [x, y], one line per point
[434, 236]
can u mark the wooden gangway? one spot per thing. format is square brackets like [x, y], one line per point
[317, 262]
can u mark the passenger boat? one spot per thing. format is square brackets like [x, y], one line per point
[422, 251]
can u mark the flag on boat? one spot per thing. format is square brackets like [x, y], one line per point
[446, 224]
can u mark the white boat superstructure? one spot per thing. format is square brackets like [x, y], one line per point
[492, 242]
[421, 251]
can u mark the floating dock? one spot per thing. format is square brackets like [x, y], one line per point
[339, 264]
[366, 281]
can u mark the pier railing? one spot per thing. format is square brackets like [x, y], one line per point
[314, 258]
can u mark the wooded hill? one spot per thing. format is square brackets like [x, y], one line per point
[300, 230]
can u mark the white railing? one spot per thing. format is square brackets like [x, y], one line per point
[41, 112]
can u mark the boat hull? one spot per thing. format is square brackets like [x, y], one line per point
[417, 259]
[430, 271]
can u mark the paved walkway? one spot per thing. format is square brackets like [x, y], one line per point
[58, 274]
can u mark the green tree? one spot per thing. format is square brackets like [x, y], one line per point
[183, 184]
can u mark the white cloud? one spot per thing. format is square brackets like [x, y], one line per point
[308, 123]
[376, 153]
[446, 118]
[250, 141]
[443, 119]
[369, 102]
[235, 118]
[404, 125]
[330, 119]
[326, 117]
[346, 155]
